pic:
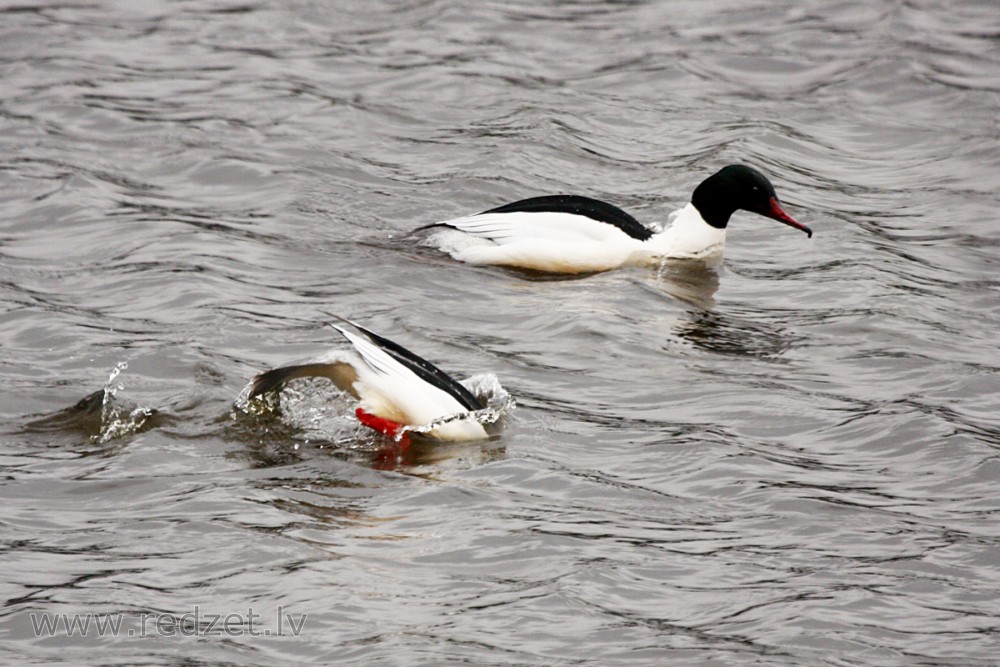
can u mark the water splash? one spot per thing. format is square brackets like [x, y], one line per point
[117, 419]
[264, 404]
[308, 409]
[307, 405]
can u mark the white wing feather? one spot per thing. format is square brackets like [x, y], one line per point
[544, 241]
[389, 389]
[519, 225]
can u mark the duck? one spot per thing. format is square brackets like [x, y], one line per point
[577, 234]
[395, 388]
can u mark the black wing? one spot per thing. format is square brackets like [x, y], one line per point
[424, 369]
[577, 205]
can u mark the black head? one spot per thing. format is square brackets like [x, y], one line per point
[736, 187]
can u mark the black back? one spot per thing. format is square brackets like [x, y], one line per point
[425, 370]
[577, 205]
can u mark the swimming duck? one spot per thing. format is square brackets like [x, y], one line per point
[574, 234]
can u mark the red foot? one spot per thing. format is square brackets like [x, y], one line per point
[389, 457]
[380, 424]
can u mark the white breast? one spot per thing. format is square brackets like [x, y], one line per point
[687, 236]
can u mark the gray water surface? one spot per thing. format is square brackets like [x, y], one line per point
[790, 461]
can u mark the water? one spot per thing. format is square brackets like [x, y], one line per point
[790, 461]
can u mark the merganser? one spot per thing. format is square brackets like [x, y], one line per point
[395, 387]
[574, 234]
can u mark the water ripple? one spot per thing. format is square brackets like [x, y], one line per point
[787, 460]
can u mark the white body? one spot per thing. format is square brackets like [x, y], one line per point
[390, 390]
[569, 243]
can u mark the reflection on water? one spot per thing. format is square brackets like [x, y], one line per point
[692, 282]
[731, 335]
